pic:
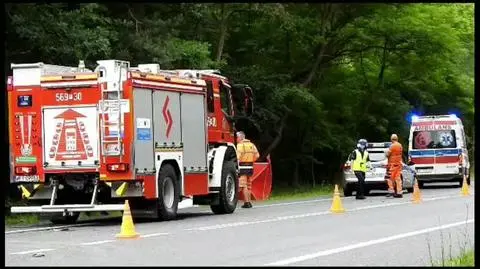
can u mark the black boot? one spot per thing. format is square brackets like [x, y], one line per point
[360, 197]
[396, 195]
[247, 205]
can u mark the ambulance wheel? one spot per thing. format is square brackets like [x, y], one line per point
[228, 196]
[168, 193]
[420, 184]
[58, 218]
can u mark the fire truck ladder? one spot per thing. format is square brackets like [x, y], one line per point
[114, 107]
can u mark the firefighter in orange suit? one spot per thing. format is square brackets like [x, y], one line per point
[247, 154]
[394, 155]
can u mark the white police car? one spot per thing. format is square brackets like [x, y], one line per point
[377, 174]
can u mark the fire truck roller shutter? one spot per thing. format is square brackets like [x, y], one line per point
[194, 131]
[167, 123]
[144, 152]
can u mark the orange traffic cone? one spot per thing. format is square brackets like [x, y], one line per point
[127, 231]
[417, 195]
[465, 189]
[337, 206]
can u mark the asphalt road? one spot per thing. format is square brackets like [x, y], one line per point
[378, 231]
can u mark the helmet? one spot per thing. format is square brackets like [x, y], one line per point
[363, 142]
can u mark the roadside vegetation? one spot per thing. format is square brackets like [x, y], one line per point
[286, 193]
[466, 259]
[465, 247]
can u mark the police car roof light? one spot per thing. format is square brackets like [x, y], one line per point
[414, 117]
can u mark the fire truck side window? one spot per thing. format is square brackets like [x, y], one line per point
[225, 99]
[210, 102]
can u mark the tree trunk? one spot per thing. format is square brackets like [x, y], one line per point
[384, 64]
[313, 170]
[296, 178]
[327, 13]
[277, 139]
[223, 33]
[315, 66]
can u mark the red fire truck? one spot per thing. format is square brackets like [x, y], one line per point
[83, 140]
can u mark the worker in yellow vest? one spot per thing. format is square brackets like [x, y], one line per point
[247, 154]
[360, 160]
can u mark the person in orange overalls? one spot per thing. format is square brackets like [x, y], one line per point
[394, 155]
[247, 154]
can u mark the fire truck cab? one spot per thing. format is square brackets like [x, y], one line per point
[85, 140]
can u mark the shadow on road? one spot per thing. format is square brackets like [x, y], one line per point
[118, 220]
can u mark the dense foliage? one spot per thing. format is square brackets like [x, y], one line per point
[324, 75]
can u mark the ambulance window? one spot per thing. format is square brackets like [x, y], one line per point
[210, 102]
[434, 139]
[225, 98]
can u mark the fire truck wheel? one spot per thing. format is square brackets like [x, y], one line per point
[68, 219]
[168, 193]
[228, 196]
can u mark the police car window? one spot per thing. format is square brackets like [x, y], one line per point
[434, 139]
[376, 155]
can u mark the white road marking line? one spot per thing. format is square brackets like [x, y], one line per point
[154, 234]
[367, 243]
[46, 228]
[97, 242]
[319, 200]
[236, 224]
[297, 202]
[32, 251]
[291, 203]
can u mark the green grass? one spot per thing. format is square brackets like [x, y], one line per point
[466, 259]
[285, 193]
[21, 219]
